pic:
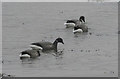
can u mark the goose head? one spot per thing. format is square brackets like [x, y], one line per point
[82, 19]
[59, 40]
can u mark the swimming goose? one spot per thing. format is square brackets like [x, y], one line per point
[80, 28]
[30, 53]
[74, 22]
[45, 46]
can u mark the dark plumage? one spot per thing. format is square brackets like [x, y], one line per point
[80, 28]
[30, 53]
[74, 22]
[82, 19]
[83, 27]
[48, 45]
[75, 28]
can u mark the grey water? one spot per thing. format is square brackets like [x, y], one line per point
[92, 54]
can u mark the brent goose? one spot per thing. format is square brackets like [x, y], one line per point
[45, 46]
[74, 22]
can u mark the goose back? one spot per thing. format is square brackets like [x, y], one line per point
[83, 27]
[44, 45]
[48, 45]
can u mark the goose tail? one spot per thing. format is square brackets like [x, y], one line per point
[24, 56]
[77, 31]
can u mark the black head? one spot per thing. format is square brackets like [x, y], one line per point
[60, 40]
[82, 18]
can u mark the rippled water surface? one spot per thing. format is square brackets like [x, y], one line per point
[92, 54]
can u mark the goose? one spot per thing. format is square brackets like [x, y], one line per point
[46, 46]
[74, 22]
[29, 53]
[80, 28]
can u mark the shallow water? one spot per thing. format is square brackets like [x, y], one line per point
[92, 54]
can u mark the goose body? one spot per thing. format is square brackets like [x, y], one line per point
[83, 27]
[69, 24]
[74, 22]
[77, 30]
[24, 55]
[80, 28]
[30, 53]
[47, 45]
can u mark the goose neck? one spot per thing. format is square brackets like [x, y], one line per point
[55, 45]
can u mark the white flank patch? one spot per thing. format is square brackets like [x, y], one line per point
[36, 47]
[69, 24]
[25, 55]
[77, 31]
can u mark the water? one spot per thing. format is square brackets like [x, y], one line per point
[94, 54]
